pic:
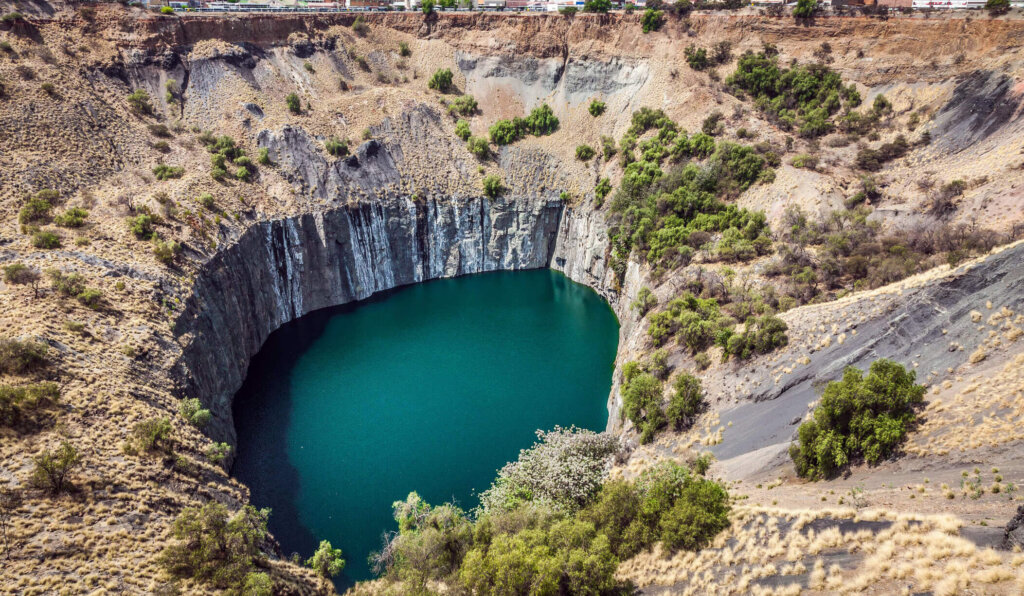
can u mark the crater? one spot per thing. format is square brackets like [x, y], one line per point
[430, 387]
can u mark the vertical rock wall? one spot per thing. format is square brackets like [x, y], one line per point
[282, 269]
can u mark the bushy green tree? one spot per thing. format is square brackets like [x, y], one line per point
[596, 107]
[652, 20]
[479, 147]
[326, 561]
[462, 130]
[19, 357]
[641, 404]
[493, 186]
[597, 6]
[805, 8]
[21, 274]
[52, 469]
[441, 80]
[997, 8]
[294, 103]
[686, 402]
[864, 416]
[645, 301]
[215, 547]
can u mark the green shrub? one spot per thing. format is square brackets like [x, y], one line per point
[45, 239]
[27, 406]
[326, 561]
[52, 469]
[308, 66]
[597, 6]
[645, 301]
[686, 402]
[165, 250]
[403, 49]
[441, 80]
[194, 413]
[214, 547]
[596, 107]
[336, 147]
[696, 57]
[479, 147]
[90, 297]
[641, 403]
[504, 132]
[166, 10]
[567, 10]
[293, 103]
[493, 186]
[803, 160]
[541, 121]
[652, 20]
[858, 417]
[760, 336]
[584, 152]
[604, 186]
[464, 105]
[427, 6]
[166, 172]
[35, 210]
[217, 453]
[997, 7]
[152, 435]
[20, 357]
[263, 157]
[138, 101]
[462, 130]
[805, 9]
[22, 275]
[72, 218]
[359, 25]
[142, 226]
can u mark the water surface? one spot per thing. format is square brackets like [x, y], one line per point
[431, 388]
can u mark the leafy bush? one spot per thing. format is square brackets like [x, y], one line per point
[567, 10]
[441, 80]
[504, 132]
[584, 152]
[801, 97]
[805, 9]
[215, 548]
[35, 210]
[326, 561]
[652, 20]
[563, 470]
[462, 130]
[667, 503]
[27, 406]
[166, 172]
[760, 336]
[464, 105]
[45, 239]
[596, 107]
[22, 275]
[427, 6]
[263, 156]
[359, 25]
[604, 186]
[218, 452]
[541, 121]
[479, 147]
[997, 8]
[493, 186]
[645, 301]
[142, 226]
[52, 469]
[872, 160]
[686, 401]
[293, 103]
[641, 403]
[72, 218]
[336, 147]
[194, 412]
[152, 435]
[138, 100]
[166, 10]
[165, 250]
[696, 57]
[403, 49]
[858, 417]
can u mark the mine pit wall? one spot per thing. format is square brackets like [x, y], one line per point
[282, 269]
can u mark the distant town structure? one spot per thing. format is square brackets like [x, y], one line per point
[519, 5]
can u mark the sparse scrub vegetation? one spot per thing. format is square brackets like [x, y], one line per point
[72, 218]
[194, 413]
[166, 172]
[19, 357]
[336, 147]
[464, 105]
[584, 152]
[139, 102]
[28, 407]
[52, 469]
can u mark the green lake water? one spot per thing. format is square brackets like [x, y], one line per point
[430, 387]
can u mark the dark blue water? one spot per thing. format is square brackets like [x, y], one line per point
[431, 388]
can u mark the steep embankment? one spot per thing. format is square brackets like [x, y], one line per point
[310, 227]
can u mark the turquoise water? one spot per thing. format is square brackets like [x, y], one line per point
[431, 388]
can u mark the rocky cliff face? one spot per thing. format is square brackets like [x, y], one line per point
[282, 269]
